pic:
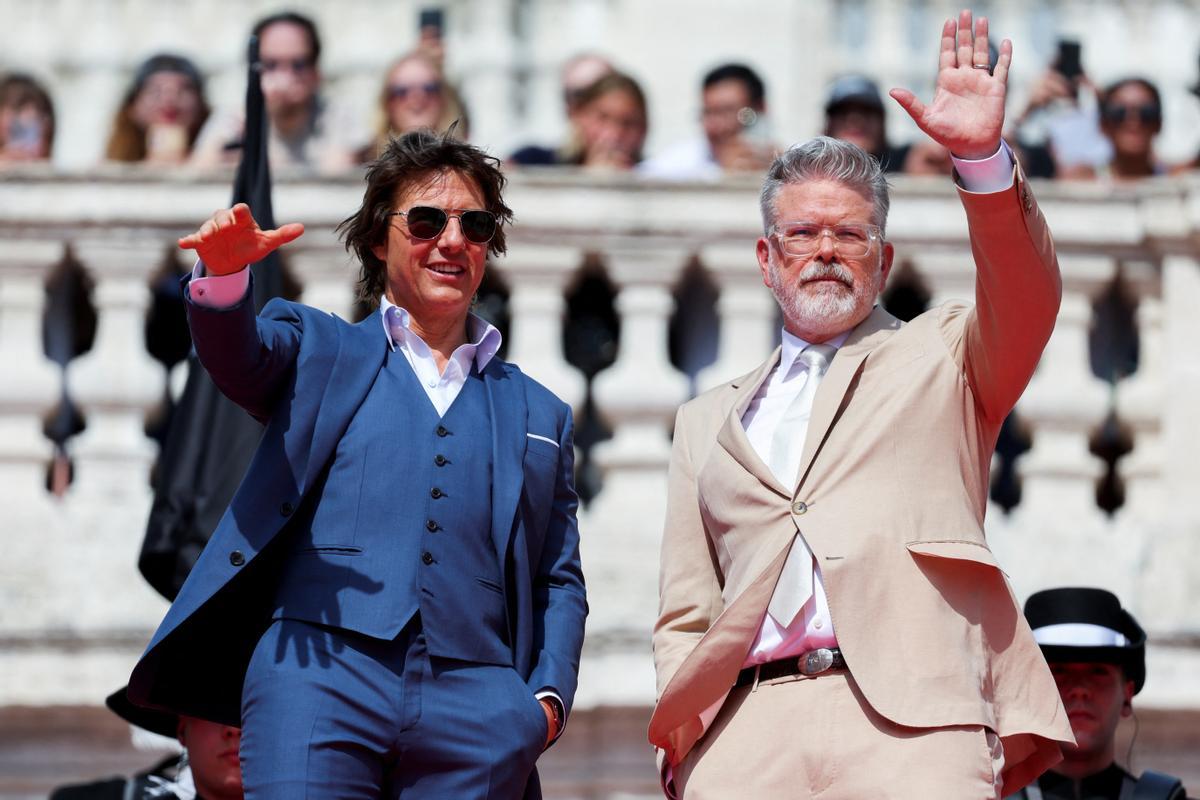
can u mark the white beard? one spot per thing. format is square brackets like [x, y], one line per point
[827, 308]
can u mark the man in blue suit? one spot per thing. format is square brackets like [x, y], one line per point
[393, 604]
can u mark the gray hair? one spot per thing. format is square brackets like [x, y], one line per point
[825, 158]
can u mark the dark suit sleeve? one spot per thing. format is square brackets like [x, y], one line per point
[559, 599]
[248, 356]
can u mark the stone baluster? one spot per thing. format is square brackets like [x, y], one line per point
[117, 382]
[537, 277]
[747, 311]
[1063, 405]
[32, 381]
[1169, 580]
[638, 396]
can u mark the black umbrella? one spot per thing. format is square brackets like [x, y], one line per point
[211, 440]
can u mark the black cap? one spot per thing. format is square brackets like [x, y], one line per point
[1081, 624]
[161, 722]
[168, 62]
[856, 89]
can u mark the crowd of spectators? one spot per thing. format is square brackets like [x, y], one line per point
[1070, 128]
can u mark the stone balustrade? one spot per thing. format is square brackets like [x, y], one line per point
[74, 613]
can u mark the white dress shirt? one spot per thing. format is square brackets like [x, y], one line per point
[441, 387]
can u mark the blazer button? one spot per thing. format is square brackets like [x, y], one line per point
[236, 558]
[441, 431]
[431, 525]
[426, 558]
[286, 509]
[440, 460]
[436, 493]
[799, 507]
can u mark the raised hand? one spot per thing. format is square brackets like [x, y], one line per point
[231, 239]
[966, 114]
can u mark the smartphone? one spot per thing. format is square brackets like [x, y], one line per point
[433, 19]
[25, 133]
[1068, 63]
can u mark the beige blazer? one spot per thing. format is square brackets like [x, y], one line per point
[890, 497]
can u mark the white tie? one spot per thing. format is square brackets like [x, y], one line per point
[795, 581]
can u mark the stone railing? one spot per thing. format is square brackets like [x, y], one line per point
[74, 613]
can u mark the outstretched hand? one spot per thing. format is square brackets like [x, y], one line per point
[231, 239]
[966, 114]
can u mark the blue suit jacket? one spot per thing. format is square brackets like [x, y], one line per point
[304, 373]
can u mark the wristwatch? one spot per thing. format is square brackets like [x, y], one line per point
[558, 711]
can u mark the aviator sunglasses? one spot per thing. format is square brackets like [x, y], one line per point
[427, 222]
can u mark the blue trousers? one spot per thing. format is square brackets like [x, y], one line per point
[330, 714]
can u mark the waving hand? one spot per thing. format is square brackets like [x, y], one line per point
[231, 239]
[966, 114]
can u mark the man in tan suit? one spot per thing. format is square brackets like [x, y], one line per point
[832, 623]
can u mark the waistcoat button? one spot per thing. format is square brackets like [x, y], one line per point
[441, 431]
[431, 525]
[427, 557]
[435, 493]
[440, 460]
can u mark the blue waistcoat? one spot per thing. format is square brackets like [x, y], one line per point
[427, 525]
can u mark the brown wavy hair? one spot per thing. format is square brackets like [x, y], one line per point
[127, 142]
[408, 161]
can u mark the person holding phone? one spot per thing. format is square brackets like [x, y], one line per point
[26, 120]
[1058, 127]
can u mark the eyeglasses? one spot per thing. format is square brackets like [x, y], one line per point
[804, 238]
[427, 222]
[401, 90]
[1147, 114]
[293, 65]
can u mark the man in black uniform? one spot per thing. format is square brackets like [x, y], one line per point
[208, 768]
[1097, 653]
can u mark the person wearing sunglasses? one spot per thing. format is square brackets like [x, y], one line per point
[305, 129]
[832, 622]
[1130, 119]
[393, 604]
[416, 95]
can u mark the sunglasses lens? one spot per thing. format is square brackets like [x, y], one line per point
[478, 226]
[425, 222]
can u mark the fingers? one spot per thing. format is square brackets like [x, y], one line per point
[240, 215]
[909, 102]
[946, 57]
[965, 40]
[1003, 61]
[980, 55]
[284, 234]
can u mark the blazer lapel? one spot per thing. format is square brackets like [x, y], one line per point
[361, 349]
[831, 394]
[732, 435]
[506, 399]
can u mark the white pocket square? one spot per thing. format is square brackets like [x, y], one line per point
[542, 438]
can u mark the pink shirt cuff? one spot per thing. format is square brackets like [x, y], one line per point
[217, 291]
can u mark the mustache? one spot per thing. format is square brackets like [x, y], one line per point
[820, 270]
